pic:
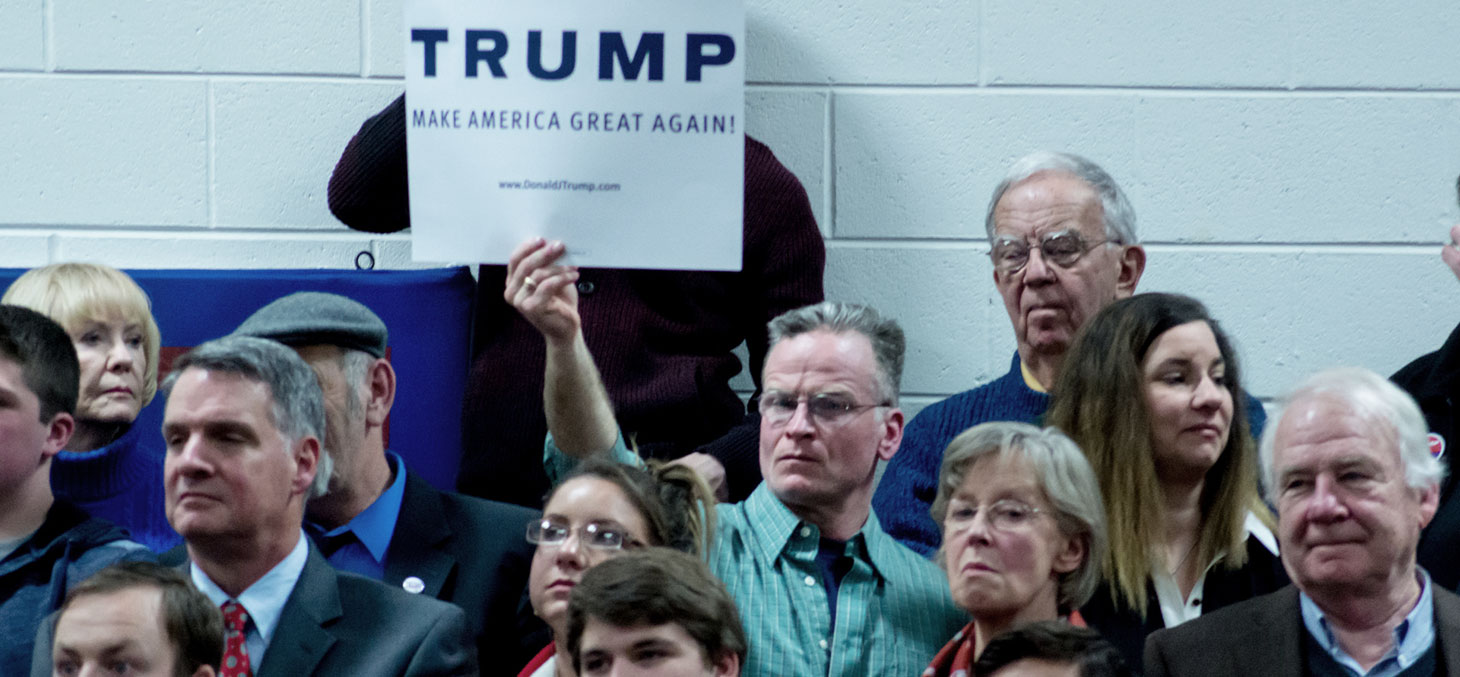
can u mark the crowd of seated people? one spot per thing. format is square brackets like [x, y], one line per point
[1104, 508]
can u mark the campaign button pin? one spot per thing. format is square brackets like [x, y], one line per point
[413, 585]
[1437, 445]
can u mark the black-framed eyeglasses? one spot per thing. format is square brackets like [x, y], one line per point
[1003, 515]
[1063, 248]
[594, 535]
[778, 407]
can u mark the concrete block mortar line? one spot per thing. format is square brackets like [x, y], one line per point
[193, 76]
[1322, 248]
[53, 248]
[1101, 89]
[145, 230]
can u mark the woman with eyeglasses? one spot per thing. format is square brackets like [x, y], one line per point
[1023, 533]
[1151, 390]
[599, 510]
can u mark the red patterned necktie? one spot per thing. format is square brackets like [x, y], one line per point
[235, 651]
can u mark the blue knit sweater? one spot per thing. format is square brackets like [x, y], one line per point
[905, 497]
[121, 483]
[910, 481]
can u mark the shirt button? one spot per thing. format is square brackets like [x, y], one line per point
[810, 580]
[805, 532]
[823, 644]
[586, 287]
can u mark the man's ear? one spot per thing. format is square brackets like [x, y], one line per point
[891, 434]
[1429, 503]
[727, 665]
[381, 393]
[1132, 264]
[306, 464]
[204, 671]
[58, 433]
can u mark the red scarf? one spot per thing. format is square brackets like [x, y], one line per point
[956, 657]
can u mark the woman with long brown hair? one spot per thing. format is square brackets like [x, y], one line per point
[1151, 391]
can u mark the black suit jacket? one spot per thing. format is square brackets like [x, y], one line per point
[473, 553]
[1264, 636]
[1433, 380]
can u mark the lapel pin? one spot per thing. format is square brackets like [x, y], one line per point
[413, 585]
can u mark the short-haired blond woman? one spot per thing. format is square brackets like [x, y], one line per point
[109, 468]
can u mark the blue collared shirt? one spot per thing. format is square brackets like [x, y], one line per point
[263, 601]
[373, 529]
[1412, 637]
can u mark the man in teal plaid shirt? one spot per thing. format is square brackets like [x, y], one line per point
[821, 588]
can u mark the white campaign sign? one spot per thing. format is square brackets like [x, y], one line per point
[616, 126]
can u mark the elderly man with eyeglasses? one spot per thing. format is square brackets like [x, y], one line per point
[1063, 242]
[822, 588]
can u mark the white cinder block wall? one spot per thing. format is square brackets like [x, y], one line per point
[1292, 163]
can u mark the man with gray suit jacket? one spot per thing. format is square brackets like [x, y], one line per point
[381, 520]
[1348, 465]
[242, 427]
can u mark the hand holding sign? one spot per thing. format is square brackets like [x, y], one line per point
[543, 292]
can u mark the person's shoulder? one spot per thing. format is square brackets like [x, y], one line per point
[91, 540]
[476, 510]
[959, 408]
[386, 624]
[1447, 608]
[372, 599]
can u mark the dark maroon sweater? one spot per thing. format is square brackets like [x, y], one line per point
[662, 339]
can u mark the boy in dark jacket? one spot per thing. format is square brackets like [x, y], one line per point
[46, 546]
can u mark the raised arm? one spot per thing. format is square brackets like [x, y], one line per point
[579, 415]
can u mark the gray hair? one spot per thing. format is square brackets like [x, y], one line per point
[1376, 400]
[888, 342]
[355, 367]
[1119, 217]
[1064, 475]
[298, 404]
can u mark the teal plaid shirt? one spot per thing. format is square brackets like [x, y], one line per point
[893, 608]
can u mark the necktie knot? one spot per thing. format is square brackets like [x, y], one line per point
[234, 617]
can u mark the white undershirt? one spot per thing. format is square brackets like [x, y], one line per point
[1174, 609]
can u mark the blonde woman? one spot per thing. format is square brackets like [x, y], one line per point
[109, 468]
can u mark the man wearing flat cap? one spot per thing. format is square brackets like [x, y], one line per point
[380, 520]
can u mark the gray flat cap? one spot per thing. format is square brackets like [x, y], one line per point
[309, 318]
